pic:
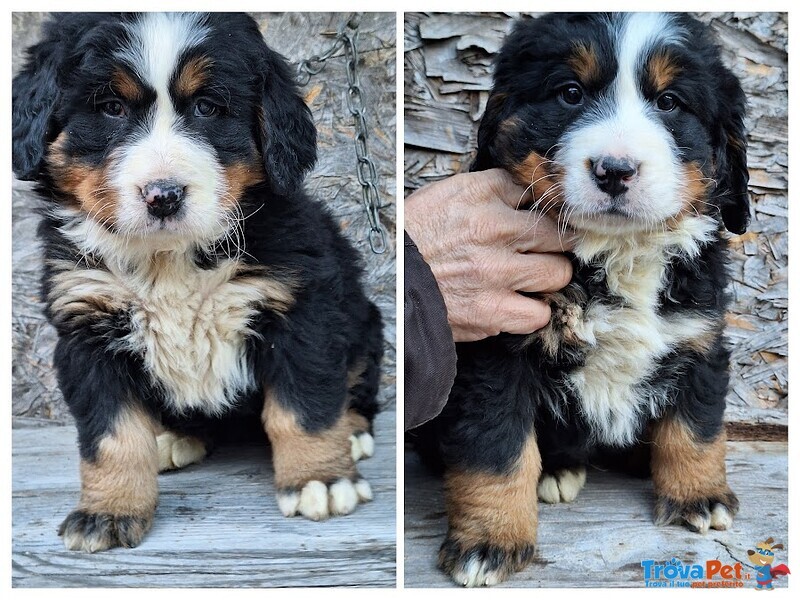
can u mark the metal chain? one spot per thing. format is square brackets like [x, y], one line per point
[347, 37]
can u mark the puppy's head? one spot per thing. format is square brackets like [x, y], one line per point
[154, 125]
[619, 122]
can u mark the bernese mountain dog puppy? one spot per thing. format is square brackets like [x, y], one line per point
[190, 278]
[628, 129]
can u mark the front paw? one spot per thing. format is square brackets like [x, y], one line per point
[95, 532]
[715, 512]
[482, 564]
[318, 501]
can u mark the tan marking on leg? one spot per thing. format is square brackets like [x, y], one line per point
[193, 76]
[300, 456]
[123, 478]
[583, 61]
[683, 468]
[501, 510]
[662, 70]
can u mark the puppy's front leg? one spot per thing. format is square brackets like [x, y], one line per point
[119, 487]
[689, 477]
[315, 472]
[492, 518]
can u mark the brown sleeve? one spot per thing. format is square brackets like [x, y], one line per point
[430, 353]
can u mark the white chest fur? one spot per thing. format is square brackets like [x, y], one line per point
[190, 325]
[626, 343]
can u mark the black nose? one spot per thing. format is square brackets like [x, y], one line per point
[163, 197]
[613, 175]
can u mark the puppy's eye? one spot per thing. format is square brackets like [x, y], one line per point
[571, 94]
[666, 102]
[205, 108]
[113, 108]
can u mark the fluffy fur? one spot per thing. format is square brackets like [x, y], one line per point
[628, 129]
[191, 279]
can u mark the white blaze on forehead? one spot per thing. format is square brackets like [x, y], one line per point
[157, 42]
[638, 34]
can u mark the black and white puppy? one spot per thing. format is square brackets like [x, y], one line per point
[628, 129]
[189, 276]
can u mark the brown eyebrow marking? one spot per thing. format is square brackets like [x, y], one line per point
[585, 63]
[128, 87]
[662, 70]
[193, 76]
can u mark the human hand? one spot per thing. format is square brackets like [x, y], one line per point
[482, 252]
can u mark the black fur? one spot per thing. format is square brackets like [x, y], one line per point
[304, 354]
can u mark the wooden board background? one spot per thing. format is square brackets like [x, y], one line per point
[35, 395]
[447, 81]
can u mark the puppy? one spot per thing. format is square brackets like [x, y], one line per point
[189, 276]
[628, 130]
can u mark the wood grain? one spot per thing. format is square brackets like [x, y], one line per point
[217, 524]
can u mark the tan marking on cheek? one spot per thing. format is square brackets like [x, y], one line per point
[126, 86]
[501, 510]
[543, 178]
[193, 76]
[584, 62]
[239, 177]
[122, 480]
[662, 71]
[684, 468]
[85, 186]
[300, 456]
[695, 190]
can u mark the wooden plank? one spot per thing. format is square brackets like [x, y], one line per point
[217, 524]
[601, 539]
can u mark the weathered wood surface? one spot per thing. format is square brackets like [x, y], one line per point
[448, 62]
[217, 524]
[601, 539]
[296, 36]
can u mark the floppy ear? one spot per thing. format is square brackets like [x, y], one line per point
[731, 153]
[289, 138]
[34, 98]
[487, 133]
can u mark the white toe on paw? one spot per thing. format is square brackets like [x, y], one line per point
[176, 451]
[548, 490]
[364, 490]
[570, 483]
[700, 522]
[563, 486]
[721, 518]
[362, 445]
[476, 573]
[288, 503]
[317, 501]
[343, 497]
[314, 501]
